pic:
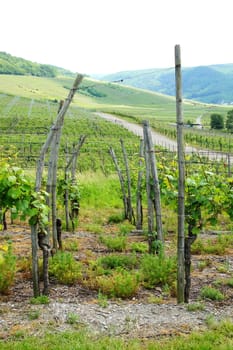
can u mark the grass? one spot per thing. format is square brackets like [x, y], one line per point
[217, 337]
[211, 293]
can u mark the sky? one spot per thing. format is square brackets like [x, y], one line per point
[108, 36]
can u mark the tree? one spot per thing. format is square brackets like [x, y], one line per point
[229, 121]
[217, 121]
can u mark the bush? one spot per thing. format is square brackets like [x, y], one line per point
[139, 247]
[211, 293]
[158, 270]
[114, 243]
[113, 261]
[115, 219]
[41, 299]
[7, 268]
[65, 268]
[121, 284]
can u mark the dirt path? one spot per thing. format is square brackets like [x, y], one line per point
[73, 307]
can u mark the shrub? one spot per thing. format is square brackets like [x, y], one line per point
[209, 247]
[211, 293]
[121, 284]
[229, 282]
[114, 243]
[139, 247]
[158, 270]
[72, 318]
[65, 268]
[33, 315]
[41, 299]
[7, 268]
[115, 219]
[113, 261]
[195, 307]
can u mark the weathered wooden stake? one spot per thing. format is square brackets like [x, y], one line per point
[150, 206]
[130, 213]
[181, 181]
[155, 181]
[39, 173]
[122, 182]
[139, 212]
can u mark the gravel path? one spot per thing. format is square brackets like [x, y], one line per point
[124, 319]
[162, 140]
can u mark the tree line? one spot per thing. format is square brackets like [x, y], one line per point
[217, 121]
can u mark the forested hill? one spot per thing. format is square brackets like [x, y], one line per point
[19, 66]
[210, 84]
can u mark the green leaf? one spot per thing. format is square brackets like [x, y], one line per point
[14, 192]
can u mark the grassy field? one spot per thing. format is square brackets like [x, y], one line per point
[104, 96]
[218, 337]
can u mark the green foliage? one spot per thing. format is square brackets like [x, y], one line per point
[19, 66]
[158, 270]
[72, 318]
[229, 121]
[195, 307]
[113, 261]
[102, 299]
[229, 282]
[17, 193]
[139, 247]
[117, 243]
[115, 219]
[120, 284]
[216, 121]
[211, 293]
[219, 337]
[216, 246]
[41, 299]
[7, 268]
[33, 315]
[65, 268]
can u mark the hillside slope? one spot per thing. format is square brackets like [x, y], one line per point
[19, 66]
[209, 84]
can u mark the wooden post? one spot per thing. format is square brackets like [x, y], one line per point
[139, 212]
[150, 207]
[181, 181]
[122, 182]
[129, 198]
[155, 182]
[39, 173]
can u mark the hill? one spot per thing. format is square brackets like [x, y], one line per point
[18, 66]
[208, 84]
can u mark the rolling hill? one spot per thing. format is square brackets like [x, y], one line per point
[19, 66]
[208, 84]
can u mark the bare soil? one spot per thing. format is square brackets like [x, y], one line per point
[136, 317]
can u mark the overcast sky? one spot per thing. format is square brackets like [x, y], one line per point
[106, 36]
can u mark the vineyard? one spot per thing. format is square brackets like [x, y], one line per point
[102, 250]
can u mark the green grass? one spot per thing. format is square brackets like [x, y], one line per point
[218, 338]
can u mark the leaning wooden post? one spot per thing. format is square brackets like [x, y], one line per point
[150, 206]
[155, 184]
[39, 173]
[129, 198]
[139, 212]
[181, 181]
[121, 179]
